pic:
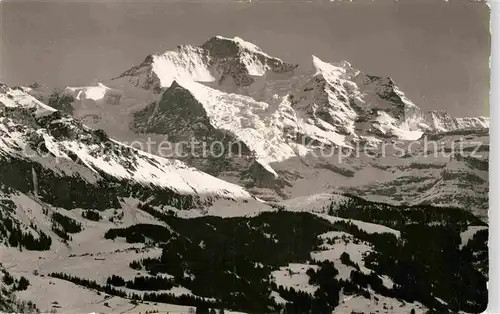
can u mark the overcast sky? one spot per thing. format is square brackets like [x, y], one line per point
[436, 51]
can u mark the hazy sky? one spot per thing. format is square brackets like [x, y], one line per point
[436, 51]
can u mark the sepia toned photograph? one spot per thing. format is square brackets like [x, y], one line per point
[259, 157]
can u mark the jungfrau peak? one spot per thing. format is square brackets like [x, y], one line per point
[219, 58]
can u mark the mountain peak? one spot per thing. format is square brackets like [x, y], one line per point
[333, 71]
[218, 58]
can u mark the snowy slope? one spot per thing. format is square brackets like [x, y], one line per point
[98, 95]
[17, 98]
[65, 147]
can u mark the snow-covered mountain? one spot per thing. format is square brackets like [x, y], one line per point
[292, 126]
[334, 94]
[326, 104]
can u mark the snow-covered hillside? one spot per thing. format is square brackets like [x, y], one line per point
[138, 258]
[41, 138]
[17, 98]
